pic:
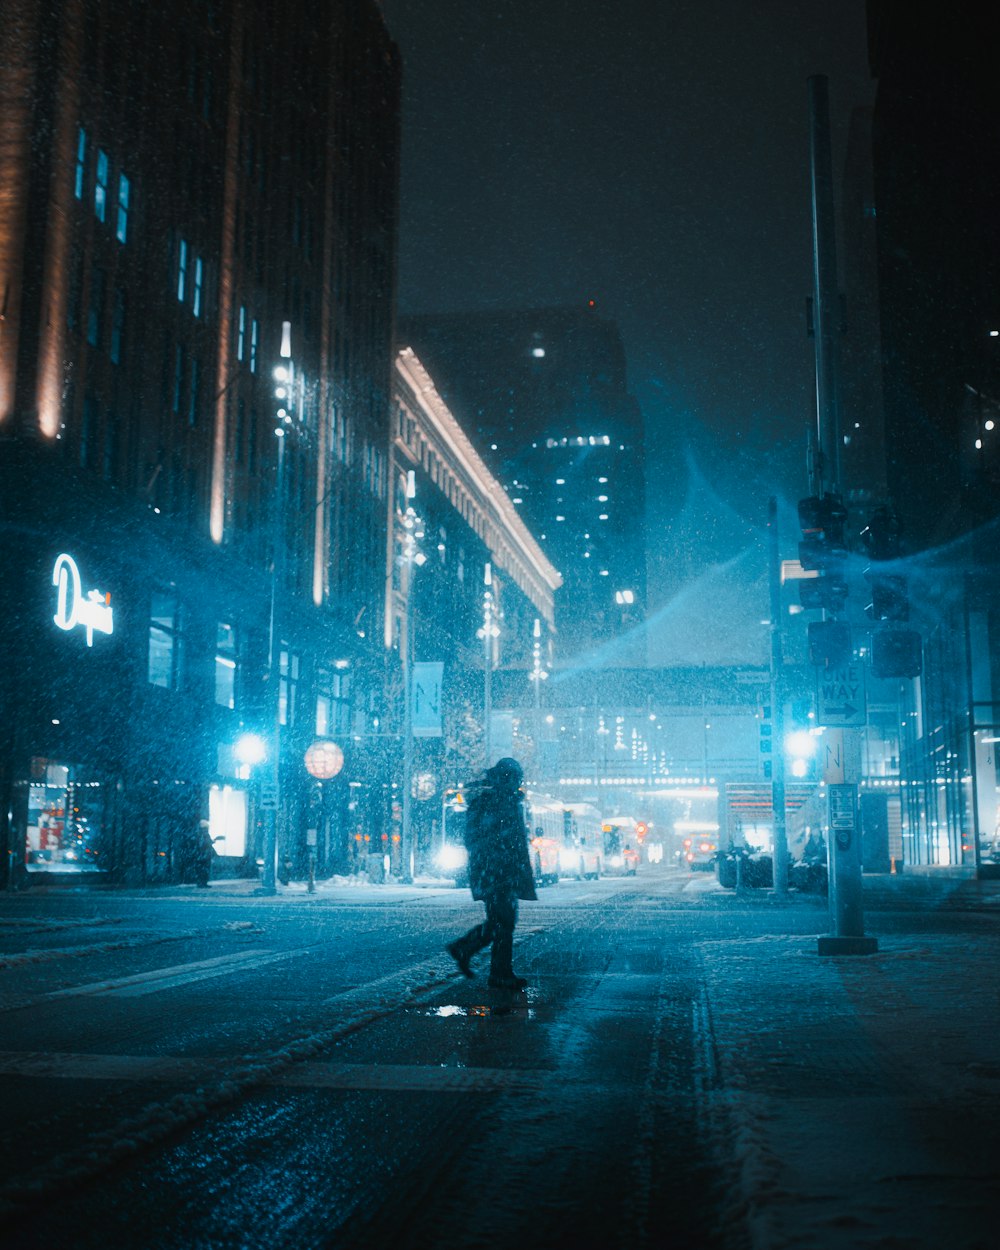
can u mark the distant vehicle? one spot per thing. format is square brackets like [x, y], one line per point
[638, 835]
[544, 817]
[621, 858]
[452, 859]
[582, 853]
[699, 852]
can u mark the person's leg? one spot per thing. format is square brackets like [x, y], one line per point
[502, 912]
[465, 947]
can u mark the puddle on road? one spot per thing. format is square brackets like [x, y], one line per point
[520, 1011]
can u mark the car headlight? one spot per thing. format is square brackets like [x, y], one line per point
[452, 857]
[568, 858]
[617, 861]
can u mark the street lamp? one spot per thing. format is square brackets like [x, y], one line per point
[250, 750]
[489, 631]
[411, 555]
[284, 393]
[539, 673]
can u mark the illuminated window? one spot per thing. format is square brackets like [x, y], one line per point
[101, 186]
[227, 820]
[333, 702]
[226, 661]
[241, 332]
[288, 685]
[81, 163]
[166, 640]
[182, 264]
[121, 230]
[254, 331]
[199, 279]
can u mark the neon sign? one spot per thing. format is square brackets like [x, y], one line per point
[92, 611]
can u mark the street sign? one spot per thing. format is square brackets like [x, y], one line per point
[842, 699]
[268, 796]
[842, 805]
[832, 748]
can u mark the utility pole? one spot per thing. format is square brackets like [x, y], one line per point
[412, 557]
[488, 632]
[284, 393]
[847, 935]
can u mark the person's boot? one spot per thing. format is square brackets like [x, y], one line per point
[502, 975]
[506, 981]
[461, 952]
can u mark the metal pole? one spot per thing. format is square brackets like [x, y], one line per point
[488, 661]
[268, 875]
[846, 909]
[826, 299]
[780, 850]
[406, 850]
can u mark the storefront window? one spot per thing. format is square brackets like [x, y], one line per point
[227, 820]
[64, 820]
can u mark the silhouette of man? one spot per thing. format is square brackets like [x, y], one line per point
[500, 873]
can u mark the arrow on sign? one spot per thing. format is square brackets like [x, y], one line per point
[845, 712]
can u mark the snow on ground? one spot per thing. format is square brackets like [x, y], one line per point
[858, 1097]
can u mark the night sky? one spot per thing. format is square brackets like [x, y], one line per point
[652, 155]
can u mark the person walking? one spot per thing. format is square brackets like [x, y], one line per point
[500, 874]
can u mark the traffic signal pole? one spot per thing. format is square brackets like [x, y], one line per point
[847, 935]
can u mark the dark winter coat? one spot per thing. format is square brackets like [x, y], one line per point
[497, 841]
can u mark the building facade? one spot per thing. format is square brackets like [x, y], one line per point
[544, 395]
[936, 203]
[470, 599]
[193, 195]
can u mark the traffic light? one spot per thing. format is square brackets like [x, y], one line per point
[888, 588]
[823, 551]
[896, 653]
[830, 643]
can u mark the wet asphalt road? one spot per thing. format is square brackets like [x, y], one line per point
[203, 1070]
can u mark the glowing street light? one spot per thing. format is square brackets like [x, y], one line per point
[411, 556]
[487, 633]
[284, 392]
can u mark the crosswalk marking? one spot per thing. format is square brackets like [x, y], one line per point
[158, 979]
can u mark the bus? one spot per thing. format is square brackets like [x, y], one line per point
[622, 840]
[582, 853]
[544, 818]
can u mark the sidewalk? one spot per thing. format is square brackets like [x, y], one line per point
[860, 1095]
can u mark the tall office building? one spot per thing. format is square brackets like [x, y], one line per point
[935, 135]
[543, 393]
[193, 194]
[937, 203]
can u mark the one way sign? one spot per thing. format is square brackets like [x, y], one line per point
[842, 696]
